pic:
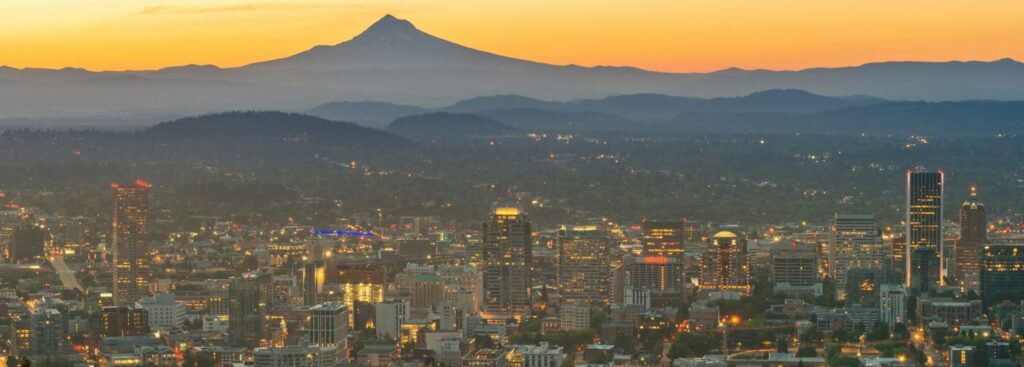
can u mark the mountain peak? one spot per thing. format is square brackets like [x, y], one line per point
[389, 24]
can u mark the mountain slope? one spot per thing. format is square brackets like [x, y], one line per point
[545, 120]
[486, 103]
[255, 127]
[445, 125]
[953, 80]
[786, 101]
[891, 118]
[367, 113]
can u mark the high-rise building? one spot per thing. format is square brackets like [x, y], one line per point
[506, 260]
[449, 352]
[574, 315]
[388, 318]
[415, 248]
[328, 327]
[662, 277]
[863, 285]
[428, 291]
[925, 269]
[898, 254]
[450, 316]
[663, 237]
[217, 302]
[360, 284]
[246, 310]
[854, 243]
[313, 275]
[584, 263]
[26, 243]
[1002, 273]
[48, 332]
[362, 314]
[948, 310]
[636, 296]
[724, 265]
[892, 304]
[923, 261]
[130, 229]
[795, 268]
[973, 234]
[123, 321]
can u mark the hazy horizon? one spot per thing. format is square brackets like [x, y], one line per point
[676, 37]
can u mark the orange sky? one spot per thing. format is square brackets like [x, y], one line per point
[666, 35]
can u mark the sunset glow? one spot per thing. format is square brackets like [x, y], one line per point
[676, 35]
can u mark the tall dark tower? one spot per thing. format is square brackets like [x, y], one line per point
[973, 234]
[130, 229]
[926, 255]
[246, 309]
[313, 275]
[506, 260]
[663, 237]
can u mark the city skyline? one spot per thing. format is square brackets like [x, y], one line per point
[427, 183]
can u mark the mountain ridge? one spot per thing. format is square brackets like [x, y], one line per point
[393, 60]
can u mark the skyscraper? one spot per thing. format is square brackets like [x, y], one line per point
[313, 275]
[1002, 273]
[246, 310]
[360, 284]
[973, 234]
[506, 260]
[794, 268]
[853, 244]
[892, 299]
[428, 291]
[724, 265]
[26, 243]
[328, 327]
[48, 328]
[123, 321]
[388, 318]
[584, 263]
[660, 276]
[130, 229]
[924, 230]
[663, 237]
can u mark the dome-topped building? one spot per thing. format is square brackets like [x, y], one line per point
[724, 265]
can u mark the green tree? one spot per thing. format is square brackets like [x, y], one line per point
[692, 345]
[807, 351]
[569, 361]
[844, 361]
[198, 359]
[625, 343]
[597, 318]
[831, 351]
[899, 331]
[879, 332]
[483, 341]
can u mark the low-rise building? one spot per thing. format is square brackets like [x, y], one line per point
[542, 355]
[295, 356]
[164, 311]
